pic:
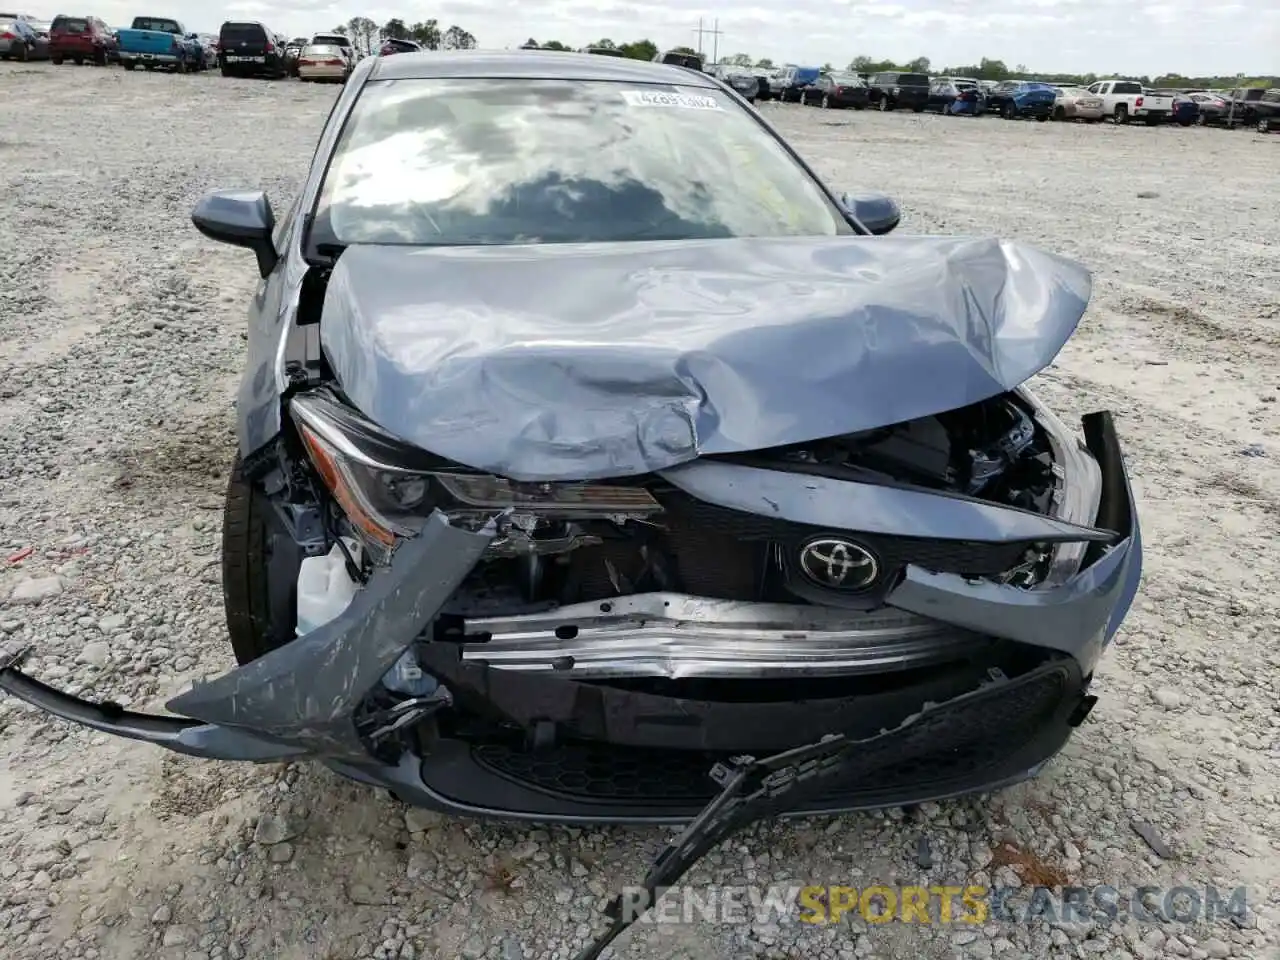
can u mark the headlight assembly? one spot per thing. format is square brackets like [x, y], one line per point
[1077, 489]
[386, 487]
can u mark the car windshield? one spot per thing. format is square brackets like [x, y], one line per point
[460, 162]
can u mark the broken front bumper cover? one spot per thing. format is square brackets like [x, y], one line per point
[302, 699]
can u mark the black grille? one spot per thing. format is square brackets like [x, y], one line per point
[976, 558]
[961, 740]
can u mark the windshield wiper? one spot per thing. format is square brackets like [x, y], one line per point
[749, 789]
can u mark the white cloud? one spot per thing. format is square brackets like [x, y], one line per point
[1046, 35]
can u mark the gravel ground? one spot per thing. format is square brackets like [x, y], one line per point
[120, 343]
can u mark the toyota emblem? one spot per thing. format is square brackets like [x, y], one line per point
[838, 564]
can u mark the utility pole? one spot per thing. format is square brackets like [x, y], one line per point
[714, 32]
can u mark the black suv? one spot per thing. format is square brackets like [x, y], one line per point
[249, 49]
[896, 91]
[690, 61]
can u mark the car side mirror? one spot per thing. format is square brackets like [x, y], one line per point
[242, 218]
[878, 213]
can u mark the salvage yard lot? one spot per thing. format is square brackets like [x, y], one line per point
[120, 346]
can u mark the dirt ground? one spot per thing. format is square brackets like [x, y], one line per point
[121, 340]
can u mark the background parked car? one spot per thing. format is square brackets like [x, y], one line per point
[794, 82]
[334, 40]
[836, 90]
[292, 50]
[153, 42]
[1014, 99]
[1241, 105]
[324, 63]
[1210, 107]
[1125, 100]
[1184, 110]
[766, 89]
[392, 46]
[79, 39]
[1077, 103]
[955, 97]
[896, 91]
[19, 40]
[690, 61]
[209, 47]
[1266, 112]
[247, 48]
[744, 82]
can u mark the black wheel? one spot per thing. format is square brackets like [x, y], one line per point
[1009, 112]
[56, 61]
[1264, 126]
[1059, 113]
[180, 67]
[149, 67]
[1202, 120]
[246, 555]
[1041, 118]
[917, 109]
[226, 72]
[130, 65]
[826, 102]
[22, 54]
[100, 58]
[1121, 115]
[79, 61]
[884, 104]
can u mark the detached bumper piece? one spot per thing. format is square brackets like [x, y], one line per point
[173, 733]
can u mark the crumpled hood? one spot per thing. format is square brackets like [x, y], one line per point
[575, 362]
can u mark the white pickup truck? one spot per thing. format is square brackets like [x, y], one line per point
[1125, 100]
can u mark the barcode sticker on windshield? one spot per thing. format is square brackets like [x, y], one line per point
[652, 98]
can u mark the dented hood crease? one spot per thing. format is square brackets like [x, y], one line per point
[560, 362]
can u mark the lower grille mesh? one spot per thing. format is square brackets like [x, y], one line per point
[952, 741]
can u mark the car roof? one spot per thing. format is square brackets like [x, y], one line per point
[533, 64]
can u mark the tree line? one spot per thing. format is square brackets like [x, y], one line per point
[365, 34]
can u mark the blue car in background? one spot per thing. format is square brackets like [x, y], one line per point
[1014, 99]
[794, 81]
[1185, 110]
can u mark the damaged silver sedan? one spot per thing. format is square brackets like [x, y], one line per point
[589, 443]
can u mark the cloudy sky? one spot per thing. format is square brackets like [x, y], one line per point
[1134, 36]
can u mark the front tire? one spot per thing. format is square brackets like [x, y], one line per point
[130, 65]
[79, 61]
[246, 555]
[1009, 112]
[56, 61]
[1121, 115]
[100, 58]
[826, 102]
[883, 105]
